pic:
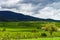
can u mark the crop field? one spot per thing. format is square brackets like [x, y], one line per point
[27, 30]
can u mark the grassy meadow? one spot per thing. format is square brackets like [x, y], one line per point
[27, 30]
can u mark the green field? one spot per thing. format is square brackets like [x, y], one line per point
[26, 30]
[56, 38]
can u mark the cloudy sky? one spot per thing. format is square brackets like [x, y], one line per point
[37, 8]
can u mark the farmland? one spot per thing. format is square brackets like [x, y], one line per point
[26, 30]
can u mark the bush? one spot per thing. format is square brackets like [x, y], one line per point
[35, 30]
[4, 29]
[38, 28]
[43, 34]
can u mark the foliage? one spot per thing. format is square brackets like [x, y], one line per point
[28, 29]
[43, 35]
[4, 29]
[51, 27]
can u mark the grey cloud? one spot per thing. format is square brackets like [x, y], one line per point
[38, 4]
[37, 1]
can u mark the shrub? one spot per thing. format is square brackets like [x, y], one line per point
[4, 29]
[35, 30]
[38, 28]
[43, 34]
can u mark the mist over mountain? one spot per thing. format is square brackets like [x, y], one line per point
[12, 16]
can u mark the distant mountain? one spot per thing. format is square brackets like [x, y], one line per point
[12, 16]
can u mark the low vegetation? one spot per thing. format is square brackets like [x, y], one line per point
[29, 30]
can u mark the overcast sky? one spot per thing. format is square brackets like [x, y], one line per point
[37, 8]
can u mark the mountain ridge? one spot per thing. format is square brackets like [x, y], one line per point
[12, 16]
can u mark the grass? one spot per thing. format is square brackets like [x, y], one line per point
[25, 31]
[55, 38]
[27, 35]
[26, 24]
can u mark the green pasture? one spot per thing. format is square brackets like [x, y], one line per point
[54, 38]
[26, 30]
